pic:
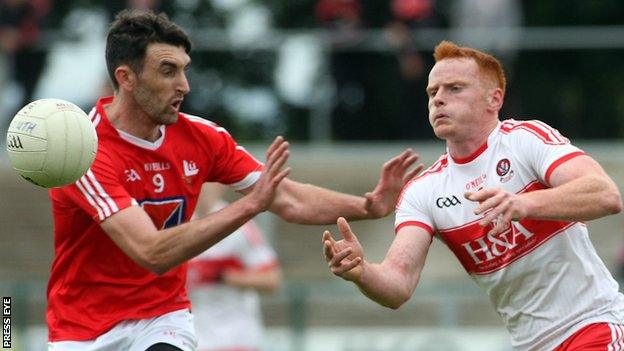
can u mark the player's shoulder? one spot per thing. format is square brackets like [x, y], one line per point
[430, 174]
[200, 123]
[425, 182]
[532, 129]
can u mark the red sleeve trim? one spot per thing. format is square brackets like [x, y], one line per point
[559, 162]
[416, 224]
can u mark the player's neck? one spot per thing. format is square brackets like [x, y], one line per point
[463, 148]
[126, 115]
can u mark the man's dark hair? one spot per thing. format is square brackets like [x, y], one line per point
[131, 32]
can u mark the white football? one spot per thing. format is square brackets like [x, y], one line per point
[51, 142]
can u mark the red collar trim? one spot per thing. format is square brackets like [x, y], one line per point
[474, 155]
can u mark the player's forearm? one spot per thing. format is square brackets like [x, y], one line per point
[178, 244]
[386, 284]
[582, 199]
[309, 204]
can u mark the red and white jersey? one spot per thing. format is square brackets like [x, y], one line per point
[93, 285]
[543, 277]
[226, 317]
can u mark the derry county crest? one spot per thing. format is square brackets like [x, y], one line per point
[503, 169]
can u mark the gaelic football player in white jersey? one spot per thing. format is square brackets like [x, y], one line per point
[509, 198]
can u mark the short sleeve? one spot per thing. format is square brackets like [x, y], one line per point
[99, 191]
[412, 209]
[233, 165]
[543, 147]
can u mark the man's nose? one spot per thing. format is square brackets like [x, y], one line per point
[183, 85]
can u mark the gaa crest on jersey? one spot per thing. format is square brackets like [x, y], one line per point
[446, 201]
[503, 169]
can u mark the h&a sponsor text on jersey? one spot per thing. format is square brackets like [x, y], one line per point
[489, 247]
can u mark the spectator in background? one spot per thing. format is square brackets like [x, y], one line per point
[407, 17]
[114, 6]
[225, 281]
[343, 18]
[22, 61]
[496, 21]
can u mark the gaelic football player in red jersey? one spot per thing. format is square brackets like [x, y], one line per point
[122, 231]
[509, 198]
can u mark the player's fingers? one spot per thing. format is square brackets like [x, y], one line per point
[507, 216]
[339, 256]
[495, 213]
[490, 203]
[278, 163]
[500, 226]
[276, 154]
[275, 181]
[409, 161]
[347, 266]
[276, 142]
[328, 252]
[345, 229]
[480, 195]
[368, 200]
[327, 235]
[397, 160]
[278, 178]
[274, 166]
[413, 173]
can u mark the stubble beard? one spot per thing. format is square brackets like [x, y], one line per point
[153, 106]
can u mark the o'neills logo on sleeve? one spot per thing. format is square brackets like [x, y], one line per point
[482, 253]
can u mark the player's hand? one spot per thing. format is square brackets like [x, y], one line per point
[263, 192]
[498, 207]
[344, 257]
[394, 175]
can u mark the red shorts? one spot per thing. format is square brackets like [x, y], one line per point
[596, 337]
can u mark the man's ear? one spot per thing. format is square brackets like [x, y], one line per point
[495, 99]
[125, 77]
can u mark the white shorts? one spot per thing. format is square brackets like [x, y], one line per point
[175, 328]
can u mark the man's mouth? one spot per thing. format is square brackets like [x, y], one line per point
[439, 116]
[176, 104]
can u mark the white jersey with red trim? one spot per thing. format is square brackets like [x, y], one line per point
[543, 277]
[226, 317]
[93, 284]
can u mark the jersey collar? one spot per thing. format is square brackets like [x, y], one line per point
[142, 143]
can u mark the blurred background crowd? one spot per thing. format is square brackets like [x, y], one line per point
[344, 80]
[333, 69]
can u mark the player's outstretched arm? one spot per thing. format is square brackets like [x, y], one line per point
[389, 283]
[160, 250]
[309, 204]
[581, 191]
